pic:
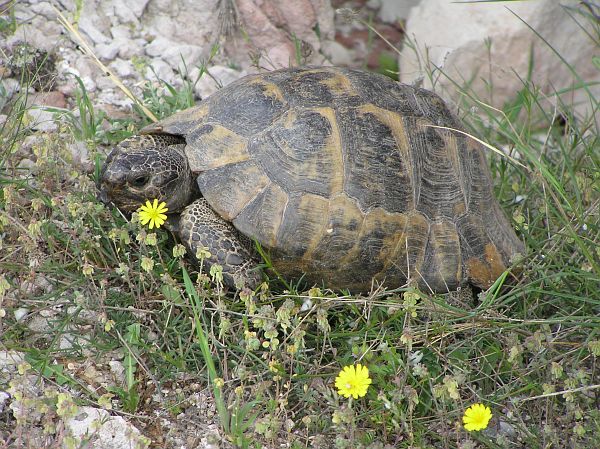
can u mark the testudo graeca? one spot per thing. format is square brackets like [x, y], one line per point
[344, 177]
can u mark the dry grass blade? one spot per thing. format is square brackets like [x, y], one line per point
[558, 393]
[88, 52]
[487, 145]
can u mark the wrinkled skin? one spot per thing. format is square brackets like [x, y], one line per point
[146, 167]
[155, 167]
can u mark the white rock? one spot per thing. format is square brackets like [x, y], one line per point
[89, 83]
[124, 43]
[162, 26]
[123, 11]
[26, 148]
[306, 304]
[20, 313]
[39, 33]
[40, 325]
[108, 51]
[122, 68]
[453, 37]
[65, 69]
[92, 30]
[4, 397]
[10, 359]
[42, 120]
[44, 9]
[118, 371]
[68, 5]
[137, 6]
[109, 96]
[337, 53]
[391, 11]
[79, 154]
[10, 86]
[35, 287]
[27, 166]
[133, 47]
[104, 84]
[216, 77]
[176, 54]
[104, 431]
[67, 341]
[162, 70]
[121, 32]
[185, 21]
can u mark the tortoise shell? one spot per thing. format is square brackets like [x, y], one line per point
[343, 176]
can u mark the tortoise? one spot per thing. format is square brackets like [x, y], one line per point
[342, 176]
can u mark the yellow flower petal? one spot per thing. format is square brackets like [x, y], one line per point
[353, 381]
[477, 417]
[153, 214]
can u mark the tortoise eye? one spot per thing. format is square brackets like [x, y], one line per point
[140, 181]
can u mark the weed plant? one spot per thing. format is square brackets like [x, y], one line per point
[82, 286]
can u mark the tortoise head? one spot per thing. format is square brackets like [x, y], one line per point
[145, 167]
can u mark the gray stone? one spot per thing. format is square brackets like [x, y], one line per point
[20, 313]
[161, 70]
[80, 155]
[26, 147]
[123, 12]
[4, 397]
[337, 53]
[392, 11]
[124, 43]
[37, 286]
[90, 27]
[105, 84]
[130, 48]
[121, 32]
[40, 33]
[44, 9]
[111, 97]
[118, 371]
[192, 22]
[89, 83]
[108, 51]
[104, 431]
[10, 86]
[10, 359]
[122, 68]
[452, 36]
[66, 5]
[161, 26]
[80, 66]
[176, 54]
[26, 165]
[137, 6]
[172, 33]
[40, 325]
[215, 78]
[42, 120]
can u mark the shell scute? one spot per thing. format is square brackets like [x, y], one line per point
[301, 152]
[343, 176]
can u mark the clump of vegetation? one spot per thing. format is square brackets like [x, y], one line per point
[110, 313]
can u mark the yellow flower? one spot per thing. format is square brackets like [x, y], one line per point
[353, 381]
[477, 417]
[153, 213]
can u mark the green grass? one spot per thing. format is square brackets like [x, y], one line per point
[268, 358]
